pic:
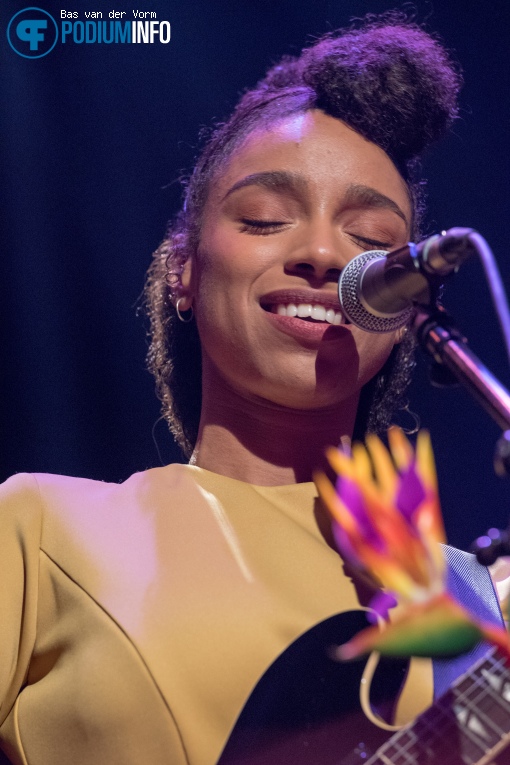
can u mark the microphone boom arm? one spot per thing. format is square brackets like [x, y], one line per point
[438, 337]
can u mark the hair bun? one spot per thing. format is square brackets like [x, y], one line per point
[393, 83]
[285, 74]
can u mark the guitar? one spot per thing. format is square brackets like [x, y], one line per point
[305, 711]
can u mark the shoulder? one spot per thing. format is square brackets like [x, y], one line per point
[68, 501]
[47, 488]
[18, 487]
[66, 515]
[43, 498]
[84, 525]
[26, 495]
[20, 504]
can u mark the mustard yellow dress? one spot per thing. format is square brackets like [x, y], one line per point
[135, 619]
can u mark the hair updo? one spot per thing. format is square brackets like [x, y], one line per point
[387, 79]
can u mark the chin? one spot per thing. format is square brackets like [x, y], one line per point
[316, 395]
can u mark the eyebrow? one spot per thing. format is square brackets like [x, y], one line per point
[276, 180]
[357, 195]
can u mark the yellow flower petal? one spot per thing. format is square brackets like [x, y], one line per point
[334, 504]
[425, 461]
[362, 464]
[401, 449]
[385, 474]
[341, 463]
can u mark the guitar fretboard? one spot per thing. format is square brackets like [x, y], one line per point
[469, 725]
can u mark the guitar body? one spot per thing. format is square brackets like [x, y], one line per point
[305, 710]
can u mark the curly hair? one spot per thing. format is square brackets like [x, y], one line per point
[387, 79]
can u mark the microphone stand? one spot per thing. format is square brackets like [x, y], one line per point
[437, 335]
[453, 360]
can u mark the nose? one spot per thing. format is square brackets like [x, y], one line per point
[317, 254]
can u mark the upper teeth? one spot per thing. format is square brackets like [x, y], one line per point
[305, 310]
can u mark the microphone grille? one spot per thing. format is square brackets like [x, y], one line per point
[351, 300]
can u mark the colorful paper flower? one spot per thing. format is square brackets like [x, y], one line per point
[387, 523]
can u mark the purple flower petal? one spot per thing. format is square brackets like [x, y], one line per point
[344, 545]
[352, 497]
[410, 492]
[380, 605]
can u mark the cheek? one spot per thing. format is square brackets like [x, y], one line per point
[226, 276]
[230, 255]
[217, 277]
[213, 280]
[221, 288]
[373, 351]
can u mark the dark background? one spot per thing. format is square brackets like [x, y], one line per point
[93, 141]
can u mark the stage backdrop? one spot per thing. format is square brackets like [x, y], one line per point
[94, 139]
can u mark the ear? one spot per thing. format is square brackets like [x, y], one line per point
[186, 276]
[184, 291]
[400, 334]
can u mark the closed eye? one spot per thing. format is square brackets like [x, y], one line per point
[364, 241]
[264, 227]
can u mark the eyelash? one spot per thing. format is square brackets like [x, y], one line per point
[371, 242]
[265, 227]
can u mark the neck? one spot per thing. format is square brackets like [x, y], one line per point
[262, 443]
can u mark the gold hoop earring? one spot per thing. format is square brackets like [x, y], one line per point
[185, 320]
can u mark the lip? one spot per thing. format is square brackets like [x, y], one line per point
[300, 295]
[308, 332]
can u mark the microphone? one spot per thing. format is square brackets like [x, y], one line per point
[378, 289]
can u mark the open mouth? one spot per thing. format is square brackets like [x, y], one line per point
[309, 312]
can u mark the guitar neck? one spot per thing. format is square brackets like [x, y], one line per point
[469, 725]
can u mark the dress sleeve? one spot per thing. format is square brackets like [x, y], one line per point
[20, 534]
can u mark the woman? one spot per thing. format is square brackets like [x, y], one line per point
[140, 617]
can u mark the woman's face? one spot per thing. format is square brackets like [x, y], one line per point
[294, 205]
